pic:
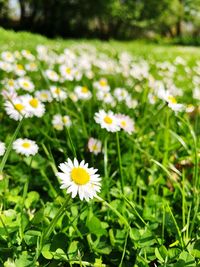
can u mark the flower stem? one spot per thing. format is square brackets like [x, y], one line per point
[115, 211]
[53, 223]
[120, 163]
[71, 143]
[5, 157]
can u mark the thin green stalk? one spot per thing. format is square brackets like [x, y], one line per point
[135, 211]
[115, 211]
[176, 226]
[120, 163]
[124, 250]
[5, 157]
[53, 223]
[106, 175]
[105, 158]
[166, 138]
[71, 143]
[53, 191]
[163, 223]
[196, 209]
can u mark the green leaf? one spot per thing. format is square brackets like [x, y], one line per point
[31, 237]
[46, 253]
[158, 255]
[31, 198]
[95, 227]
[24, 260]
[38, 217]
[185, 260]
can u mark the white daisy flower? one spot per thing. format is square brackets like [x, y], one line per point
[67, 72]
[66, 121]
[8, 56]
[77, 178]
[77, 75]
[52, 75]
[57, 122]
[2, 148]
[31, 66]
[60, 121]
[106, 97]
[9, 94]
[126, 123]
[27, 54]
[102, 85]
[34, 106]
[82, 92]
[172, 103]
[5, 66]
[152, 98]
[25, 147]
[190, 108]
[19, 70]
[73, 97]
[17, 108]
[10, 84]
[107, 120]
[94, 145]
[44, 96]
[120, 94]
[26, 84]
[58, 93]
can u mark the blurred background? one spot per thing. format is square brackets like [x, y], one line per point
[174, 20]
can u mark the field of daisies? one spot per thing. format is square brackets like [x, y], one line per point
[99, 153]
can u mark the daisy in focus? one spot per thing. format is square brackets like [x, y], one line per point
[94, 145]
[107, 120]
[77, 178]
[16, 109]
[2, 148]
[34, 106]
[25, 147]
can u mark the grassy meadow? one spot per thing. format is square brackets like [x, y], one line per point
[128, 109]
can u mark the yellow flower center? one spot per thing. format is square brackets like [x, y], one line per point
[20, 67]
[95, 147]
[80, 176]
[25, 84]
[57, 91]
[108, 120]
[44, 95]
[10, 83]
[65, 119]
[68, 70]
[19, 107]
[34, 102]
[103, 82]
[123, 123]
[26, 145]
[172, 99]
[84, 89]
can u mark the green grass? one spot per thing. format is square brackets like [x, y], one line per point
[147, 213]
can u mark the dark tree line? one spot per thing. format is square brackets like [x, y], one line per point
[103, 18]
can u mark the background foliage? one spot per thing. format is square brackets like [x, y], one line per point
[106, 18]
